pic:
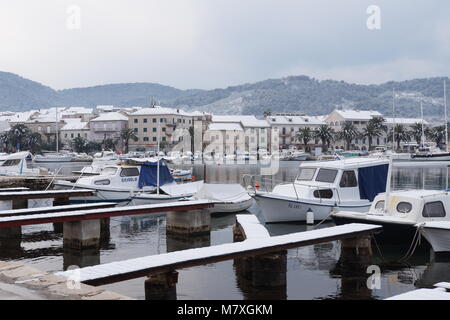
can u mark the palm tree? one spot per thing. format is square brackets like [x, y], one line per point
[33, 142]
[4, 141]
[401, 135]
[79, 144]
[416, 132]
[348, 133]
[437, 134]
[109, 144]
[325, 134]
[374, 129]
[126, 135]
[304, 135]
[17, 136]
[191, 134]
[267, 113]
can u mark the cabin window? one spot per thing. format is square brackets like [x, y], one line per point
[404, 207]
[348, 180]
[433, 210]
[9, 163]
[306, 174]
[102, 182]
[326, 175]
[323, 194]
[380, 205]
[129, 172]
[110, 171]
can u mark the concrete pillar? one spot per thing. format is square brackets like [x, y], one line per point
[105, 233]
[263, 276]
[10, 238]
[356, 257]
[81, 235]
[195, 222]
[58, 226]
[161, 286]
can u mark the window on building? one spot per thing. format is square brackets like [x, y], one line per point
[164, 129]
[145, 129]
[154, 129]
[135, 120]
[71, 135]
[145, 120]
[145, 138]
[163, 138]
[154, 138]
[154, 120]
[135, 129]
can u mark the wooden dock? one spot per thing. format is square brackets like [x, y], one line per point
[168, 262]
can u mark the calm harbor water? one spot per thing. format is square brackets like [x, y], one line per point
[313, 272]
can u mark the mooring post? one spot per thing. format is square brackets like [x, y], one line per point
[256, 273]
[59, 201]
[11, 237]
[356, 253]
[195, 222]
[105, 232]
[80, 235]
[161, 286]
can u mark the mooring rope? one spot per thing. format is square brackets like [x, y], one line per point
[414, 243]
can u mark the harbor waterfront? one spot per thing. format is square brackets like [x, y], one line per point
[312, 272]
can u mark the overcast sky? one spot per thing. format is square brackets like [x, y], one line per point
[216, 43]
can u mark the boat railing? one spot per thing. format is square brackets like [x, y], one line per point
[267, 183]
[55, 175]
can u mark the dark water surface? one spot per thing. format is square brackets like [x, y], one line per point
[313, 272]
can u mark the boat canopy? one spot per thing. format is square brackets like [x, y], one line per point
[223, 192]
[149, 174]
[372, 181]
[175, 189]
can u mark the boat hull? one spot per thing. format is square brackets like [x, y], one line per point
[393, 233]
[232, 207]
[431, 157]
[277, 210]
[439, 239]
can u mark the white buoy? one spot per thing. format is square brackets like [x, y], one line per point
[309, 217]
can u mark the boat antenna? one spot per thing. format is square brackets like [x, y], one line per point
[423, 132]
[445, 117]
[393, 119]
[157, 158]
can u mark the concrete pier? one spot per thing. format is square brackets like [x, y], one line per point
[80, 258]
[84, 234]
[58, 226]
[195, 222]
[161, 286]
[21, 282]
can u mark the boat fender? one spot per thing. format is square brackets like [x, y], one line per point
[257, 186]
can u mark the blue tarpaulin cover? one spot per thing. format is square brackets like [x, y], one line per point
[372, 181]
[148, 175]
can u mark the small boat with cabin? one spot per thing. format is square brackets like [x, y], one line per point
[321, 187]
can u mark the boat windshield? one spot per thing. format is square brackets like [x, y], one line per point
[109, 171]
[326, 175]
[306, 174]
[10, 163]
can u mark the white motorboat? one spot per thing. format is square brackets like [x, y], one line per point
[100, 161]
[430, 153]
[298, 156]
[53, 157]
[181, 174]
[321, 187]
[119, 183]
[437, 234]
[227, 198]
[405, 211]
[168, 193]
[15, 164]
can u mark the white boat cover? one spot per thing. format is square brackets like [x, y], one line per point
[223, 192]
[176, 189]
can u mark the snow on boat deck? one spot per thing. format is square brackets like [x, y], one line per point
[138, 267]
[438, 293]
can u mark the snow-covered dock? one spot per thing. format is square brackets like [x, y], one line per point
[80, 215]
[53, 209]
[256, 244]
[252, 228]
[15, 195]
[441, 292]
